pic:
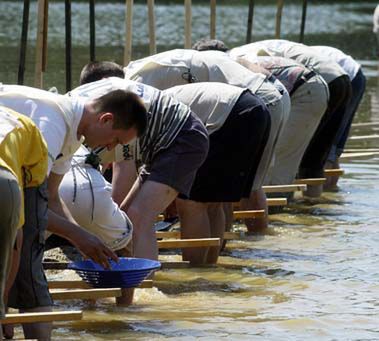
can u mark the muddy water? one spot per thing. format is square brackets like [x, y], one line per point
[315, 275]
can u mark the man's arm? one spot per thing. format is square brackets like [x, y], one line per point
[124, 176]
[61, 222]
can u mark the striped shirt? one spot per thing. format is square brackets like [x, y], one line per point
[165, 118]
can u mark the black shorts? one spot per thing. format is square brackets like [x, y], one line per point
[30, 289]
[176, 166]
[234, 154]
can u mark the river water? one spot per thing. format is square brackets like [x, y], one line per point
[315, 275]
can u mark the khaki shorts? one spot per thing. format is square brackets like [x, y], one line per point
[30, 289]
[10, 201]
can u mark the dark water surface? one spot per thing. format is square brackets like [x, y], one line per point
[315, 277]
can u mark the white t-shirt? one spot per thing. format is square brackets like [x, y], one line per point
[56, 116]
[345, 61]
[88, 196]
[211, 102]
[165, 117]
[299, 52]
[179, 67]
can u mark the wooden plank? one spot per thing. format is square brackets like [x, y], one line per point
[152, 38]
[364, 137]
[276, 201]
[40, 47]
[334, 172]
[346, 156]
[284, 188]
[279, 13]
[365, 124]
[23, 42]
[175, 265]
[361, 150]
[78, 284]
[213, 19]
[128, 32]
[184, 243]
[177, 234]
[311, 181]
[188, 24]
[84, 294]
[248, 214]
[42, 317]
[303, 18]
[250, 18]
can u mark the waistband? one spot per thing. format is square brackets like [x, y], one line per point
[303, 79]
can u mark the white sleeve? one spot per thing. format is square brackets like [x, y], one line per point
[53, 129]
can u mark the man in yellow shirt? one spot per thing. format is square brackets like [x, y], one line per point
[23, 164]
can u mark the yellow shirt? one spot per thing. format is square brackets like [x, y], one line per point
[23, 151]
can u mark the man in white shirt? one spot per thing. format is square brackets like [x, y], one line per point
[179, 67]
[358, 85]
[316, 155]
[309, 97]
[88, 196]
[112, 119]
[238, 123]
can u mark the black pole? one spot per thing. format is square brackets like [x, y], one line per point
[92, 31]
[303, 17]
[68, 44]
[24, 41]
[250, 22]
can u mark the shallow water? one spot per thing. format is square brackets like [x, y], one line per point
[315, 276]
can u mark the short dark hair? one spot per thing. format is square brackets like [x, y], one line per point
[95, 71]
[210, 44]
[127, 107]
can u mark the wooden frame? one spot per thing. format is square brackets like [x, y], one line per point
[42, 317]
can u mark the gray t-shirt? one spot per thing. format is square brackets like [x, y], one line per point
[298, 52]
[211, 102]
[179, 67]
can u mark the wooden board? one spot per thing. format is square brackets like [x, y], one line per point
[77, 284]
[176, 234]
[84, 294]
[175, 265]
[346, 156]
[276, 201]
[334, 172]
[284, 188]
[42, 317]
[311, 181]
[364, 137]
[366, 124]
[184, 243]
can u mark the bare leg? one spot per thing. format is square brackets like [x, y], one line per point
[127, 294]
[331, 181]
[194, 223]
[39, 331]
[150, 200]
[217, 223]
[14, 262]
[257, 201]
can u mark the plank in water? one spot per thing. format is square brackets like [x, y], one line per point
[87, 294]
[284, 188]
[42, 317]
[176, 234]
[364, 137]
[184, 243]
[334, 172]
[77, 284]
[311, 181]
[346, 156]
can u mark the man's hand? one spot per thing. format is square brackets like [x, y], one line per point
[92, 247]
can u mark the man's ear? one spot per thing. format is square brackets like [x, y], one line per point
[106, 117]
